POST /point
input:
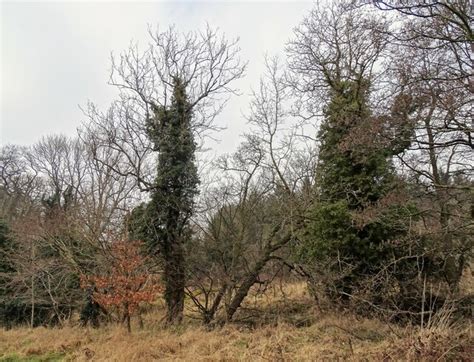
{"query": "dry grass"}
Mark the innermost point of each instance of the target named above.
(285, 328)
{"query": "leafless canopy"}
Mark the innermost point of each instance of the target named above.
(335, 43)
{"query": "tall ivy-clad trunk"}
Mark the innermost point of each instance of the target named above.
(174, 278)
(166, 227)
(352, 179)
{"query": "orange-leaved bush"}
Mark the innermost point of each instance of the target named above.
(127, 283)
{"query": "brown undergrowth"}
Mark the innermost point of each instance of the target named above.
(281, 324)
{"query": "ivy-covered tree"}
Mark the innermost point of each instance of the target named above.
(345, 172)
(164, 221)
(360, 220)
(358, 212)
(169, 93)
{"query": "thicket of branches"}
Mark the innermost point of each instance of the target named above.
(356, 175)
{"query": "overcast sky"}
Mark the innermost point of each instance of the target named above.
(55, 56)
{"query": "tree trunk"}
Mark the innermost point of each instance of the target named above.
(126, 317)
(174, 275)
(209, 315)
(140, 320)
(129, 327)
(32, 317)
(244, 288)
(252, 276)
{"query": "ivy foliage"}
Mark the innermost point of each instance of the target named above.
(349, 228)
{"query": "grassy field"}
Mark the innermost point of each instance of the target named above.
(273, 327)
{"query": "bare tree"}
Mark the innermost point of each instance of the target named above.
(433, 68)
(445, 25)
(61, 206)
(335, 43)
(256, 208)
(20, 185)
